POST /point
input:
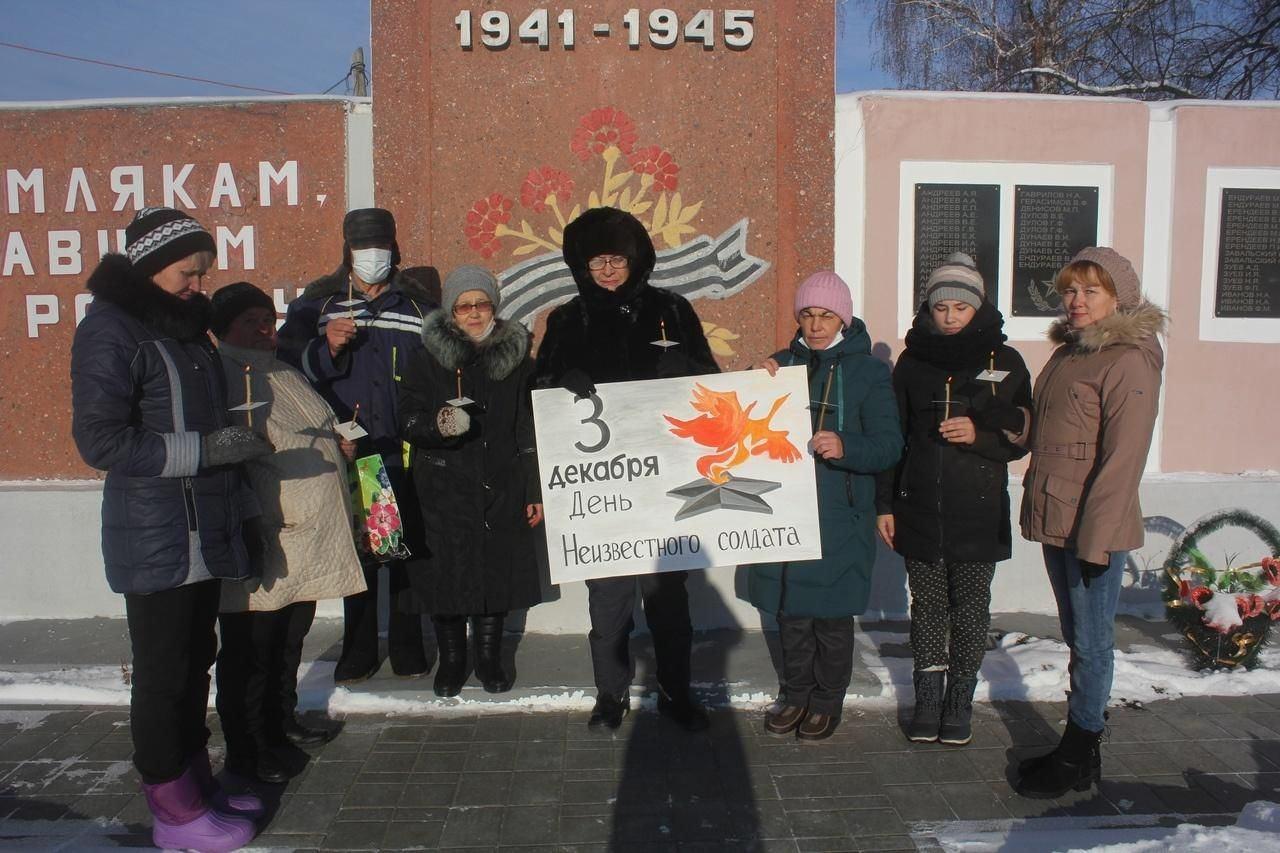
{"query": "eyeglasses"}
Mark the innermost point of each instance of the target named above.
(824, 316)
(599, 262)
(462, 309)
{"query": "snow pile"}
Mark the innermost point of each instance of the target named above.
(1022, 668)
(1256, 829)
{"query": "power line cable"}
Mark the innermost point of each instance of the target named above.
(142, 70)
(336, 85)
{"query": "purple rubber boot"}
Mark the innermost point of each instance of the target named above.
(184, 821)
(235, 805)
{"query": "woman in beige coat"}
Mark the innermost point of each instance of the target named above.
(303, 546)
(1095, 411)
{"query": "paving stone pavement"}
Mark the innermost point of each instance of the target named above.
(544, 781)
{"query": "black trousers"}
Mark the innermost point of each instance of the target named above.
(174, 644)
(611, 602)
(360, 626)
(817, 662)
(258, 675)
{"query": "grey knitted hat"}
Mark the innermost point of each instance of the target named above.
(160, 236)
(470, 277)
(958, 278)
(1123, 276)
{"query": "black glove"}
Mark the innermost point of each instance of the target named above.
(1091, 571)
(1000, 414)
(255, 542)
(673, 363)
(232, 445)
(576, 380)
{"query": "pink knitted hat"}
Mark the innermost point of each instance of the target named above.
(826, 290)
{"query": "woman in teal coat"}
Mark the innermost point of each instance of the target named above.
(856, 435)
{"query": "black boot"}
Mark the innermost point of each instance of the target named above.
(451, 670)
(957, 711)
(487, 631)
(927, 716)
(1069, 766)
(404, 644)
(359, 659)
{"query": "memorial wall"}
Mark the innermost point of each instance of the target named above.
(267, 178)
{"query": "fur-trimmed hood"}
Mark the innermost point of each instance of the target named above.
(335, 283)
(1135, 327)
(499, 354)
(115, 281)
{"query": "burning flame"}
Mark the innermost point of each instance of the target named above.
(735, 436)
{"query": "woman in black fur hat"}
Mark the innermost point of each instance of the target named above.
(476, 475)
(606, 334)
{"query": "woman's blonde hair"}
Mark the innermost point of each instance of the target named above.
(1087, 272)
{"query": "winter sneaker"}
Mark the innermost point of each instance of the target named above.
(817, 726)
(927, 716)
(184, 821)
(957, 711)
(784, 720)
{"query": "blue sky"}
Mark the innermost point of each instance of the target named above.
(297, 46)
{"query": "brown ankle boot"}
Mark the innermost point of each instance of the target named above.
(784, 720)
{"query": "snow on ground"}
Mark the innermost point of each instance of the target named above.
(1256, 829)
(1021, 668)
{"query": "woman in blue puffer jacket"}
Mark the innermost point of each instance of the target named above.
(149, 407)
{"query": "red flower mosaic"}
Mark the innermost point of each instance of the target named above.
(657, 161)
(602, 128)
(541, 184)
(483, 220)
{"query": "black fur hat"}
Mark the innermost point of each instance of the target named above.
(608, 231)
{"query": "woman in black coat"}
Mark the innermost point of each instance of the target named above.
(964, 401)
(475, 472)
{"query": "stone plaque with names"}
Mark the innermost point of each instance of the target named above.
(1248, 284)
(957, 218)
(1050, 224)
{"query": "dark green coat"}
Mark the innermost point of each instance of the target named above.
(865, 415)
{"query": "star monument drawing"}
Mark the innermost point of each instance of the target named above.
(733, 436)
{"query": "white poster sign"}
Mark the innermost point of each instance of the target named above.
(677, 474)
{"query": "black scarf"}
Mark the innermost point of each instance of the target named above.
(970, 347)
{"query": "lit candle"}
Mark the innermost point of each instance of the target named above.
(946, 412)
(662, 328)
(354, 412)
(459, 383)
(991, 366)
(248, 394)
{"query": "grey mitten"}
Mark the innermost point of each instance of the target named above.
(232, 445)
(452, 421)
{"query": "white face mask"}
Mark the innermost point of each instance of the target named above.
(371, 265)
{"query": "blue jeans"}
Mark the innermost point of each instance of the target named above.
(1088, 618)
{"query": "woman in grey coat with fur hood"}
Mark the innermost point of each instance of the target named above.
(1095, 412)
(465, 409)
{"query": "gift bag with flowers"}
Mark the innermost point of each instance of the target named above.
(378, 531)
(1225, 614)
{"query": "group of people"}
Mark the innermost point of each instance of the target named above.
(231, 510)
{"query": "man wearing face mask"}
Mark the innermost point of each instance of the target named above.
(353, 355)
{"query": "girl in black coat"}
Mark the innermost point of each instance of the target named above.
(964, 401)
(475, 473)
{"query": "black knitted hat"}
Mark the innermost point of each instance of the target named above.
(233, 300)
(160, 236)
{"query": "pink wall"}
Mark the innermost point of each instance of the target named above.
(986, 129)
(1211, 420)
(1221, 403)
